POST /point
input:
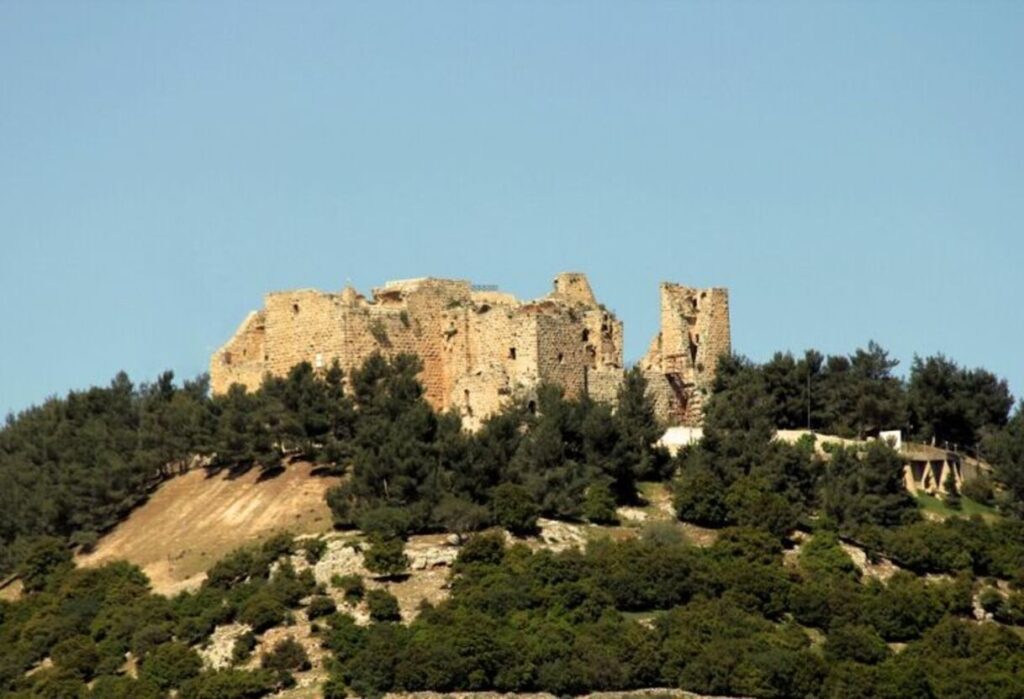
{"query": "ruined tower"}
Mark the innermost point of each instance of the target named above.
(681, 362)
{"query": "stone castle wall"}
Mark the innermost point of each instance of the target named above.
(478, 348)
(681, 363)
(482, 347)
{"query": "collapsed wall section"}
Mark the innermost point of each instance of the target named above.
(243, 358)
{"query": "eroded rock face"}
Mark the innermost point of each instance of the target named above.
(882, 570)
(430, 552)
(559, 536)
(430, 560)
(216, 654)
(342, 557)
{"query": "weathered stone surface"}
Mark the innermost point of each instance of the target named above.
(340, 558)
(556, 535)
(216, 654)
(480, 347)
(681, 362)
(883, 569)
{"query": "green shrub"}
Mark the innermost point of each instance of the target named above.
(149, 637)
(77, 656)
(277, 546)
(230, 684)
(699, 497)
(460, 515)
(904, 608)
(343, 636)
(335, 688)
(385, 522)
(112, 656)
(515, 509)
(487, 548)
(123, 687)
(343, 505)
(262, 611)
(314, 549)
(599, 503)
(233, 569)
(823, 556)
(860, 644)
(991, 600)
(289, 587)
(85, 541)
(386, 558)
(979, 489)
(243, 647)
(383, 606)
(48, 558)
(662, 534)
(170, 664)
(320, 606)
(1012, 610)
(379, 332)
(52, 683)
(952, 496)
(351, 586)
(287, 654)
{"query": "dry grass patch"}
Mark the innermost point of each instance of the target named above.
(193, 520)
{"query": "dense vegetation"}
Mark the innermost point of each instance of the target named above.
(414, 470)
(738, 475)
(858, 396)
(74, 467)
(731, 618)
(87, 620)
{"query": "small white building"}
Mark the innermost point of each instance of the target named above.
(675, 438)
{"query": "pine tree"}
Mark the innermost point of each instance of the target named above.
(638, 432)
(952, 497)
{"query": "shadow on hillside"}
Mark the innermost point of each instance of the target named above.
(233, 472)
(237, 471)
(395, 578)
(327, 471)
(270, 473)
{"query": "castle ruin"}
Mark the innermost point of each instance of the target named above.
(479, 346)
(681, 363)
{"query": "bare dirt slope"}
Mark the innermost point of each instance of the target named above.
(192, 520)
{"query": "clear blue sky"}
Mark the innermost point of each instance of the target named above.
(851, 171)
